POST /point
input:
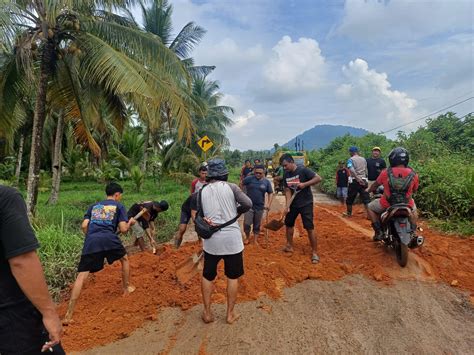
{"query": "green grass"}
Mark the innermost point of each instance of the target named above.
(461, 227)
(58, 227)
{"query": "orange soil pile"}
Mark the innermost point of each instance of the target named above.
(103, 315)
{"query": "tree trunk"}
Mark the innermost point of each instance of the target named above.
(19, 160)
(57, 161)
(145, 148)
(38, 124)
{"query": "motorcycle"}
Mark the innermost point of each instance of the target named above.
(399, 233)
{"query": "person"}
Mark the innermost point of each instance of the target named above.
(257, 188)
(100, 225)
(342, 181)
(246, 170)
(29, 323)
(406, 180)
(357, 166)
(220, 203)
(145, 223)
(187, 208)
(189, 205)
(200, 181)
(375, 165)
(299, 179)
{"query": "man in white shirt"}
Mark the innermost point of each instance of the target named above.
(221, 202)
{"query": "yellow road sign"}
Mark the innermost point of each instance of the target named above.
(205, 143)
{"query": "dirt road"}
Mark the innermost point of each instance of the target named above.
(356, 300)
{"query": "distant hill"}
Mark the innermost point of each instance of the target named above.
(321, 135)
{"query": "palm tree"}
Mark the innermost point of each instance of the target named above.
(213, 122)
(114, 55)
(157, 20)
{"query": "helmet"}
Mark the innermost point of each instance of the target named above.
(399, 156)
(353, 149)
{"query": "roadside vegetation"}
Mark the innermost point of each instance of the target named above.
(442, 155)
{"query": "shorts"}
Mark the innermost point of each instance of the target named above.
(376, 206)
(254, 218)
(354, 189)
(306, 213)
(233, 265)
(185, 217)
(137, 230)
(22, 331)
(95, 262)
(341, 192)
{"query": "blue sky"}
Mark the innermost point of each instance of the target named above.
(286, 66)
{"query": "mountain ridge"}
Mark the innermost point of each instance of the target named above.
(321, 135)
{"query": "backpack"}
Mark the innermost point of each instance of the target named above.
(203, 229)
(399, 187)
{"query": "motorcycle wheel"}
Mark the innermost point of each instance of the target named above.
(401, 251)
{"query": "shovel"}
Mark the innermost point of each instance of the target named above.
(276, 224)
(189, 268)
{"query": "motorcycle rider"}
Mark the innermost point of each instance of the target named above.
(399, 182)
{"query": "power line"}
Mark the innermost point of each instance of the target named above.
(431, 114)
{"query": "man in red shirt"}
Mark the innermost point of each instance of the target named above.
(200, 181)
(399, 182)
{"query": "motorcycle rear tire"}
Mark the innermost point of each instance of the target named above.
(401, 251)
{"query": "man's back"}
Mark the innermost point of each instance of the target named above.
(360, 166)
(399, 172)
(219, 205)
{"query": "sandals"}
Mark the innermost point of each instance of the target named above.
(315, 259)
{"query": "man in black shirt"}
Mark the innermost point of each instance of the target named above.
(145, 223)
(342, 182)
(29, 323)
(299, 179)
(375, 165)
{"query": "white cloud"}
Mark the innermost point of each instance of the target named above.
(373, 20)
(369, 95)
(245, 125)
(228, 56)
(295, 67)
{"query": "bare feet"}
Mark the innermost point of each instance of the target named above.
(287, 249)
(129, 289)
(232, 317)
(207, 317)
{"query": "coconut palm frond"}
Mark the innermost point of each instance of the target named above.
(189, 36)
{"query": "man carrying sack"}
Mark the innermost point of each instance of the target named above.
(219, 203)
(299, 179)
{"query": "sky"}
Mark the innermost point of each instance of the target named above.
(288, 65)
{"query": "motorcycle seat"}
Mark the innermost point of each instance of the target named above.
(400, 209)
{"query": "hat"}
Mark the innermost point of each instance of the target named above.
(216, 167)
(353, 149)
(377, 148)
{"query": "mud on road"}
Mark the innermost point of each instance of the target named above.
(356, 291)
